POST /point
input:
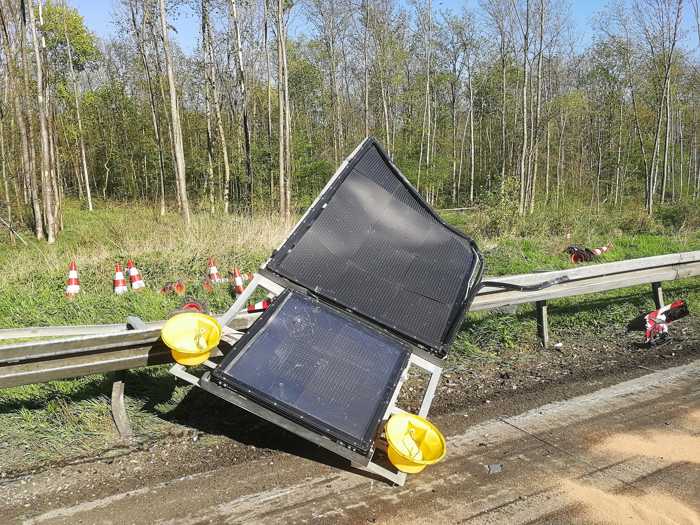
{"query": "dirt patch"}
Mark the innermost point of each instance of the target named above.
(671, 446)
(605, 507)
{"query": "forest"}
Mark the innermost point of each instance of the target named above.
(499, 104)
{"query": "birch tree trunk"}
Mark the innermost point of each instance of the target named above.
(46, 186)
(525, 87)
(284, 114)
(138, 35)
(79, 120)
(175, 118)
(244, 105)
(266, 16)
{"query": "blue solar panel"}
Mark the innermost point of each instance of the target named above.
(371, 244)
(316, 365)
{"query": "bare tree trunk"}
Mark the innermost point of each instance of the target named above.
(546, 165)
(680, 141)
(244, 105)
(79, 121)
(175, 114)
(284, 125)
(619, 155)
(152, 100)
(426, 114)
(208, 74)
(667, 140)
(269, 100)
(20, 89)
(365, 44)
(3, 160)
(461, 158)
(472, 155)
(524, 148)
(215, 100)
(503, 112)
(560, 158)
(46, 187)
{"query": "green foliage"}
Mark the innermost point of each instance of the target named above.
(60, 20)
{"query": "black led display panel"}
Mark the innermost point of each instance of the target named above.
(371, 244)
(318, 367)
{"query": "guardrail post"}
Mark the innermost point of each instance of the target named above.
(121, 420)
(542, 322)
(658, 294)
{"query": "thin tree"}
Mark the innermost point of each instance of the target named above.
(78, 118)
(175, 118)
(140, 46)
(240, 75)
(46, 184)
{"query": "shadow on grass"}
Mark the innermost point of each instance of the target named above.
(206, 412)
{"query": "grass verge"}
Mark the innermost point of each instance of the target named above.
(64, 420)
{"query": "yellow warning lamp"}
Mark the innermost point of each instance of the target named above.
(191, 336)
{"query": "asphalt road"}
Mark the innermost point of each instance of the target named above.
(629, 453)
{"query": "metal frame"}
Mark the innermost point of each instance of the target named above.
(417, 358)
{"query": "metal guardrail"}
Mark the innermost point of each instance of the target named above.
(591, 279)
(105, 348)
(240, 322)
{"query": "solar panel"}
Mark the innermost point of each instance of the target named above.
(371, 244)
(319, 367)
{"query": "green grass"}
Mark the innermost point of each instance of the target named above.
(68, 419)
(33, 280)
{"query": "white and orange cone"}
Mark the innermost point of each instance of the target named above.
(135, 279)
(119, 281)
(237, 282)
(73, 283)
(214, 275)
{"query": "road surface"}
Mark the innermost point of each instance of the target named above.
(629, 453)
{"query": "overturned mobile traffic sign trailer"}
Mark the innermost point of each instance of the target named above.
(369, 282)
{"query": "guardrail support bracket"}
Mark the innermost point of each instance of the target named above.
(542, 322)
(658, 294)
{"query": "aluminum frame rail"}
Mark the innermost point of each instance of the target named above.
(101, 351)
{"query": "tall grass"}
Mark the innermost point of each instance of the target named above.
(33, 277)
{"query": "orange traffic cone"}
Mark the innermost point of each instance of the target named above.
(73, 284)
(119, 281)
(214, 276)
(135, 279)
(237, 282)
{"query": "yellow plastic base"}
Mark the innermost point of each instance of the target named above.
(414, 442)
(191, 336)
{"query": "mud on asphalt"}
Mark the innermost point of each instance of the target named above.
(217, 434)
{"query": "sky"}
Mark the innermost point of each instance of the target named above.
(98, 17)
